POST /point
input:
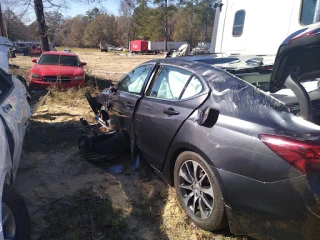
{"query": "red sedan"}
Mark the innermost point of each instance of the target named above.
(60, 68)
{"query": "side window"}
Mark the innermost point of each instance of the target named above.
(307, 11)
(134, 81)
(194, 87)
(238, 23)
(170, 83)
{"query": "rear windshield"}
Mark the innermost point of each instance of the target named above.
(262, 81)
(258, 79)
(48, 59)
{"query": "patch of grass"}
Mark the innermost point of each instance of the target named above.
(83, 215)
(70, 95)
(177, 225)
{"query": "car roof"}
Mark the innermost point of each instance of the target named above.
(228, 63)
(180, 62)
(59, 53)
(208, 72)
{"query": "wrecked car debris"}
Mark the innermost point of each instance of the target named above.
(103, 146)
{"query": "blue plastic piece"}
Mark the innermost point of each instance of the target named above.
(116, 169)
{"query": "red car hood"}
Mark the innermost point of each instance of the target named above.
(53, 70)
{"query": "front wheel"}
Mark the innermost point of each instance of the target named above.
(15, 216)
(198, 192)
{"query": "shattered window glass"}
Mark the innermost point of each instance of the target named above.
(170, 83)
(134, 81)
(238, 24)
(194, 87)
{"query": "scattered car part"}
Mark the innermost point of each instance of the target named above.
(87, 125)
(182, 51)
(103, 147)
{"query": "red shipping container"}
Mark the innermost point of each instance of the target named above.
(138, 46)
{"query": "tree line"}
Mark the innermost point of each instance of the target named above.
(158, 20)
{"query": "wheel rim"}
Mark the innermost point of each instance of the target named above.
(8, 222)
(196, 189)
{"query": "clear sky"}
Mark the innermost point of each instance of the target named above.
(111, 6)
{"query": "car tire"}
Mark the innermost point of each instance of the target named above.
(15, 211)
(199, 188)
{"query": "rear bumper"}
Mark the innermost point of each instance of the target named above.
(44, 85)
(287, 209)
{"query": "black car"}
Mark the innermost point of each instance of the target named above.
(240, 145)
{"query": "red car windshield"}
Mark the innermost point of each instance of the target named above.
(50, 59)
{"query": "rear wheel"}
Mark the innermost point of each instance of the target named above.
(198, 192)
(15, 216)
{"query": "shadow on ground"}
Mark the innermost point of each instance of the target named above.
(69, 198)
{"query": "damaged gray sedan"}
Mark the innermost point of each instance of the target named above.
(236, 154)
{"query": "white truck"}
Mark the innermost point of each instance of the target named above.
(159, 46)
(258, 27)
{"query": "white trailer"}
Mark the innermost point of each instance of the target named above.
(258, 26)
(159, 46)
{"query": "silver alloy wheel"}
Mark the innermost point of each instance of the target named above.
(8, 222)
(196, 189)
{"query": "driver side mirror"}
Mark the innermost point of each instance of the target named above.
(34, 60)
(83, 64)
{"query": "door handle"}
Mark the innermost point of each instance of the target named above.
(7, 108)
(170, 112)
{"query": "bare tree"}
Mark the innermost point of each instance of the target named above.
(126, 10)
(164, 5)
(42, 28)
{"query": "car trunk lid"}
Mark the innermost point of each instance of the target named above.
(297, 56)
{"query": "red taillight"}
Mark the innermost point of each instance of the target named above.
(302, 155)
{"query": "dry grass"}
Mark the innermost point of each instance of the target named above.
(79, 50)
(177, 225)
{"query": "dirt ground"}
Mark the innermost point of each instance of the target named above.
(70, 198)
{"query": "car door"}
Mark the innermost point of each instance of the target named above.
(170, 100)
(126, 97)
(15, 112)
